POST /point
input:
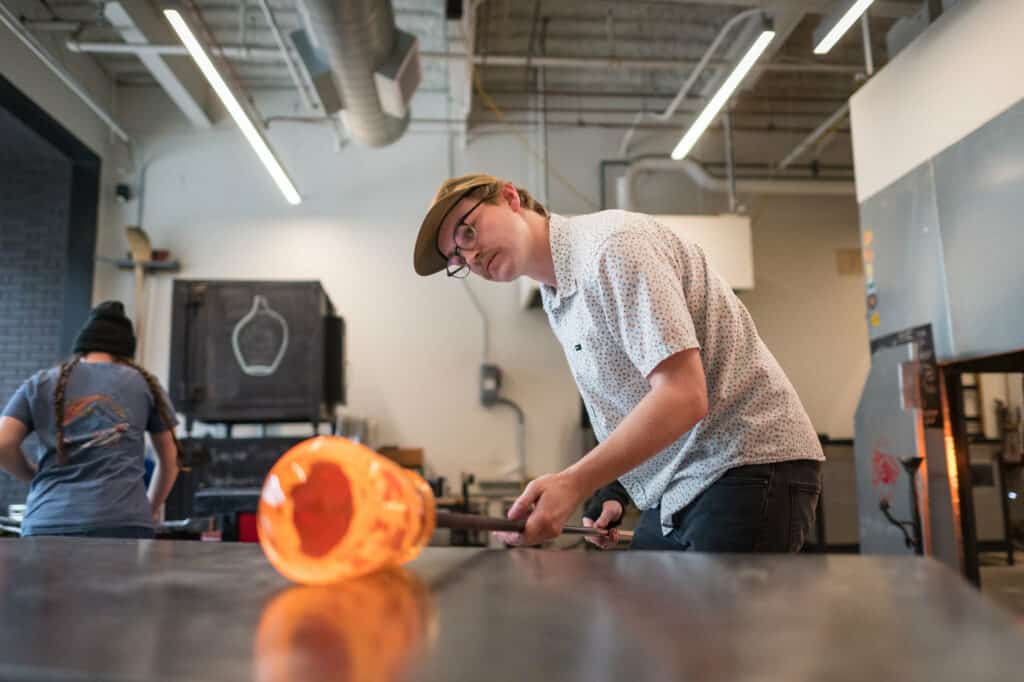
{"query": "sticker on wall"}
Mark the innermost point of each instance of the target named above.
(885, 472)
(260, 339)
(869, 269)
(875, 321)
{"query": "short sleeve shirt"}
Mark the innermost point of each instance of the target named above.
(630, 294)
(107, 409)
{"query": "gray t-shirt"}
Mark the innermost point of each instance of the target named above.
(630, 294)
(107, 409)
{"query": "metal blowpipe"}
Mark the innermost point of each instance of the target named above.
(474, 522)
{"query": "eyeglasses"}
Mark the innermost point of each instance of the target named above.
(465, 239)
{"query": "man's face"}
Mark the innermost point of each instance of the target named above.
(489, 236)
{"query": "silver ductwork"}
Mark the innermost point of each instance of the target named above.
(703, 179)
(357, 37)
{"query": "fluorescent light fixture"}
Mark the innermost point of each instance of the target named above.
(259, 144)
(840, 27)
(722, 96)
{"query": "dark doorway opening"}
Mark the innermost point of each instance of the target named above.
(49, 199)
(984, 462)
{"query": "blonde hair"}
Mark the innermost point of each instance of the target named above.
(486, 186)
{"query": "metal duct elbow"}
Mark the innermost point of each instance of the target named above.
(357, 36)
(703, 179)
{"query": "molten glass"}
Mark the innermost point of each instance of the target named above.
(333, 509)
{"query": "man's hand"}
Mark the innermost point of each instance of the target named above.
(546, 504)
(611, 512)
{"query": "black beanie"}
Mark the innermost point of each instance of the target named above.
(107, 331)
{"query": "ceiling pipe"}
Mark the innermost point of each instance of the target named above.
(293, 71)
(519, 124)
(357, 37)
(690, 81)
(869, 55)
(827, 125)
(703, 179)
(469, 9)
(49, 26)
(255, 54)
(270, 54)
(9, 19)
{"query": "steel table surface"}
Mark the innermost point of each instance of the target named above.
(93, 609)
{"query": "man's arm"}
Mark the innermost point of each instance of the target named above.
(678, 399)
(12, 459)
(675, 404)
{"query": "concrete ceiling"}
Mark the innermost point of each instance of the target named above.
(792, 90)
(797, 87)
(233, 23)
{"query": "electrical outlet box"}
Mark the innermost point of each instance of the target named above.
(490, 384)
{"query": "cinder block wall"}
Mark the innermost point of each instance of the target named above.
(34, 205)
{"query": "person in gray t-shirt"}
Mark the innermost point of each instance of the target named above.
(696, 421)
(90, 415)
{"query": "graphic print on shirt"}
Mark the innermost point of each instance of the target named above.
(94, 421)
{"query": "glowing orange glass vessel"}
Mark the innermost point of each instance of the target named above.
(333, 509)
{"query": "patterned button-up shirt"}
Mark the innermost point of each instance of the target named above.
(630, 294)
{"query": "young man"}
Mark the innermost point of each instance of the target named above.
(696, 421)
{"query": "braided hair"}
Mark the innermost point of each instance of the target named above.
(163, 409)
(58, 403)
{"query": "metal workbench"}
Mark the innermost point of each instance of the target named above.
(86, 609)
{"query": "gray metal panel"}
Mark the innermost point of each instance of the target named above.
(904, 268)
(82, 609)
(884, 433)
(907, 258)
(980, 189)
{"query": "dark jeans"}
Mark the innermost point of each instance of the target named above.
(133, 532)
(757, 508)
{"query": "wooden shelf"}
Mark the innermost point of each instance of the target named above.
(151, 266)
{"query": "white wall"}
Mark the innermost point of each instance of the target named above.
(414, 344)
(810, 316)
(962, 72)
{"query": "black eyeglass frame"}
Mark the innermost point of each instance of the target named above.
(464, 267)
